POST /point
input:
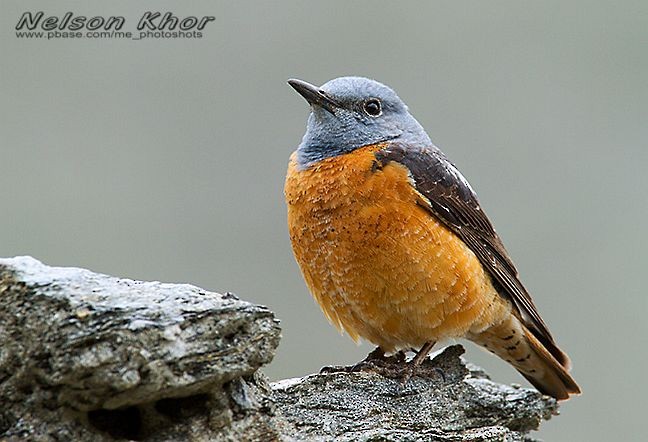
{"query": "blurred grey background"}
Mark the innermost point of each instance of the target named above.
(164, 159)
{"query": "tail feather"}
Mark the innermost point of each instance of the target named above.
(545, 367)
(552, 348)
(553, 378)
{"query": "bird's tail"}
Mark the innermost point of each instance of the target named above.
(513, 342)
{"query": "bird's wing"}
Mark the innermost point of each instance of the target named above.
(447, 195)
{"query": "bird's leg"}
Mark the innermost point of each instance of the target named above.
(422, 353)
(416, 361)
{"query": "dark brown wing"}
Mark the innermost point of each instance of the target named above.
(449, 197)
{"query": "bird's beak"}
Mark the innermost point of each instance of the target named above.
(314, 95)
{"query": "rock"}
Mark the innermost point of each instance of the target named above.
(447, 403)
(90, 357)
(116, 354)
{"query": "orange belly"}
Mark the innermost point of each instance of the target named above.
(380, 266)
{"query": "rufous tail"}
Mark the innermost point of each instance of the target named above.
(513, 342)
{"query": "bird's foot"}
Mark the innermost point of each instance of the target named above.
(425, 369)
(394, 367)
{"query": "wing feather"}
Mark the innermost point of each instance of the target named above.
(448, 196)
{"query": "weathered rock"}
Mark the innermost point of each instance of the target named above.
(447, 403)
(89, 357)
(77, 344)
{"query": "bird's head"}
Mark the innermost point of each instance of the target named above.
(351, 112)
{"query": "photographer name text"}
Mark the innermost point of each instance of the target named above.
(150, 25)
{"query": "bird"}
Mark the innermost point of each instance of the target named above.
(392, 241)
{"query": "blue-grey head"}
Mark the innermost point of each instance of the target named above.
(351, 112)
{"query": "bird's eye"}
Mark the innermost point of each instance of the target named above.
(372, 107)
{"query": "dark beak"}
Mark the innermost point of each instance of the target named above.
(314, 95)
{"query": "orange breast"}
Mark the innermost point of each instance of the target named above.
(380, 266)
